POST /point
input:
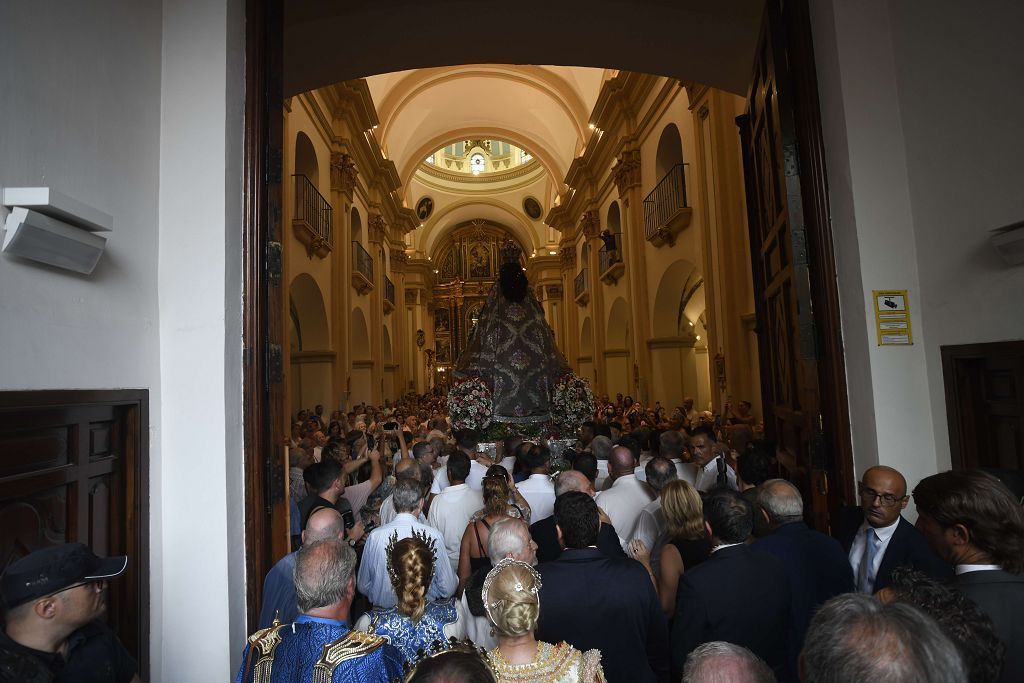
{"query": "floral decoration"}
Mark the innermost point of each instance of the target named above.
(572, 402)
(469, 404)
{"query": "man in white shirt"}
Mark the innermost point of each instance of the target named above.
(627, 495)
(373, 581)
(538, 490)
(710, 458)
(407, 469)
(601, 447)
(650, 524)
(466, 442)
(672, 444)
(451, 509)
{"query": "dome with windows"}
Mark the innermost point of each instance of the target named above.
(478, 158)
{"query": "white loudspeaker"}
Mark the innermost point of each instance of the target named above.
(1009, 242)
(49, 227)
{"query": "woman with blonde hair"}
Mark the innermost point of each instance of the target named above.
(511, 597)
(414, 623)
(688, 543)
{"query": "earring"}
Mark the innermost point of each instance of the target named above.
(493, 632)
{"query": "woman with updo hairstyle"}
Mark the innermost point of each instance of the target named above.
(415, 623)
(498, 488)
(511, 597)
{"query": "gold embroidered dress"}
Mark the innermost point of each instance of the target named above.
(560, 663)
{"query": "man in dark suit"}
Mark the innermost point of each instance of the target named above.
(592, 601)
(879, 539)
(736, 595)
(815, 563)
(975, 524)
(545, 534)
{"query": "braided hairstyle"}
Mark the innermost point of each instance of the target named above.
(512, 596)
(413, 564)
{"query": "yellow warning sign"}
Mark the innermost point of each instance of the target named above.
(892, 317)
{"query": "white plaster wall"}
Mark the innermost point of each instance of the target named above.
(199, 628)
(80, 112)
(958, 74)
(872, 221)
(921, 119)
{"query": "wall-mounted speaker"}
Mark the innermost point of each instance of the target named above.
(49, 227)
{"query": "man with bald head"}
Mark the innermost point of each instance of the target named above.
(627, 495)
(884, 540)
(546, 536)
(815, 563)
(278, 588)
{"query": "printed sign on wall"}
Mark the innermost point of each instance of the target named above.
(892, 317)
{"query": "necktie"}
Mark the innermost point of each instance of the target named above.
(866, 574)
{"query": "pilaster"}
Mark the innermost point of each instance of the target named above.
(343, 180)
(626, 174)
(590, 225)
(376, 232)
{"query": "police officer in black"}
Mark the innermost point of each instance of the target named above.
(54, 600)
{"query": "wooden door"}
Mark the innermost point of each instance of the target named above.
(802, 371)
(74, 469)
(266, 513)
(985, 404)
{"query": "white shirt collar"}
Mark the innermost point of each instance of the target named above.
(623, 478)
(724, 545)
(965, 568)
(884, 533)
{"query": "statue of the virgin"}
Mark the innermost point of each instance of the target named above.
(513, 349)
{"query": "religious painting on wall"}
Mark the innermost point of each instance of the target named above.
(441, 321)
(479, 261)
(424, 207)
(444, 351)
(532, 208)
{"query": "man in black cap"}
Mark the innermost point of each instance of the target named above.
(53, 601)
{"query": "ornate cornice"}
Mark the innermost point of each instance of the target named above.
(344, 174)
(626, 171)
(567, 258)
(376, 228)
(590, 223)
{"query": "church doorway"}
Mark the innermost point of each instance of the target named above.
(749, 47)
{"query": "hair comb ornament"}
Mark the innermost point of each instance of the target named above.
(420, 536)
(519, 587)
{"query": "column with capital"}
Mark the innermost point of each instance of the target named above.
(402, 339)
(590, 225)
(626, 173)
(376, 231)
(344, 176)
(570, 317)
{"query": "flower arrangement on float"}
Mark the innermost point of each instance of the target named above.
(470, 404)
(572, 403)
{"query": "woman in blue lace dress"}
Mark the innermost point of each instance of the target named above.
(414, 624)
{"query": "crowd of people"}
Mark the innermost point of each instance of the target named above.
(661, 546)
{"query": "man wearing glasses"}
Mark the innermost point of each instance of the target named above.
(54, 600)
(885, 540)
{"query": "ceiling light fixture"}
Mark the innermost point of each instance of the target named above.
(553, 253)
(592, 126)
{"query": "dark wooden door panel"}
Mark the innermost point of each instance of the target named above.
(791, 254)
(73, 467)
(985, 404)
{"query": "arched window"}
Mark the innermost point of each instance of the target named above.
(305, 159)
(357, 226)
(477, 163)
(670, 151)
